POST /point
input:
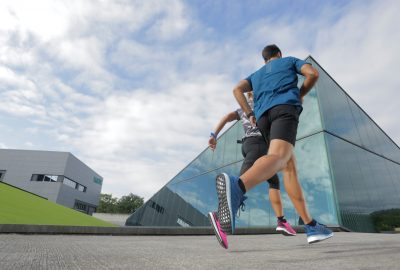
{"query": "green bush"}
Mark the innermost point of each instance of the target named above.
(125, 205)
(386, 220)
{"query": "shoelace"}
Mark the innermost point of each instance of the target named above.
(242, 206)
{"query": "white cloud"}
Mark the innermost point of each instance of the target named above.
(361, 52)
(173, 24)
(45, 19)
(29, 145)
(19, 95)
(151, 134)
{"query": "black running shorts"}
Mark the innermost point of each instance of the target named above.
(252, 149)
(280, 122)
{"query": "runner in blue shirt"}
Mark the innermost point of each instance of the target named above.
(277, 106)
(253, 147)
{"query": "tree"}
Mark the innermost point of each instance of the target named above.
(128, 204)
(108, 204)
(386, 220)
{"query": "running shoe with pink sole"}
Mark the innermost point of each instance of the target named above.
(285, 228)
(219, 233)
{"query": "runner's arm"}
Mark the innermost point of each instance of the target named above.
(242, 87)
(232, 116)
(311, 76)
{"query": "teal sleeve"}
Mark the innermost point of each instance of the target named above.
(249, 80)
(298, 63)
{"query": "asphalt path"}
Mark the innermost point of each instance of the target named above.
(268, 251)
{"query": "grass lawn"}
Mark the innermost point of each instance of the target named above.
(19, 207)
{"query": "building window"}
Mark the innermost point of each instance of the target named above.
(73, 184)
(84, 207)
(2, 173)
(69, 182)
(80, 206)
(54, 178)
(44, 178)
(81, 188)
(182, 222)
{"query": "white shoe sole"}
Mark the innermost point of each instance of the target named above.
(318, 238)
(285, 232)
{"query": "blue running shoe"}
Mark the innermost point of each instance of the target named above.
(230, 198)
(317, 233)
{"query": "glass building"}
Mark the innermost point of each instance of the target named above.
(348, 167)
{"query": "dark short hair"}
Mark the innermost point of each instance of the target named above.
(270, 51)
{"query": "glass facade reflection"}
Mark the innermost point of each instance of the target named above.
(348, 167)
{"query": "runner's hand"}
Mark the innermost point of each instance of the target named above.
(212, 143)
(253, 121)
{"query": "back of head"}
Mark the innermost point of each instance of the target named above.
(270, 51)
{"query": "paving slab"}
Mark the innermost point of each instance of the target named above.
(269, 251)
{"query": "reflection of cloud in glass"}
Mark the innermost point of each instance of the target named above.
(201, 164)
(357, 172)
(259, 217)
(199, 192)
(286, 202)
(344, 118)
(225, 153)
(310, 120)
(314, 176)
(196, 201)
(327, 218)
(313, 168)
(254, 217)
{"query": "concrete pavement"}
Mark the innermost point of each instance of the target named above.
(269, 251)
(133, 230)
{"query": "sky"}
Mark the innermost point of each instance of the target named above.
(133, 88)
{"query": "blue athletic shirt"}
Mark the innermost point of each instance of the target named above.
(276, 84)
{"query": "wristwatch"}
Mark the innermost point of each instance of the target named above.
(250, 114)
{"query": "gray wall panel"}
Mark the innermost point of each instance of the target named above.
(20, 165)
(76, 170)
